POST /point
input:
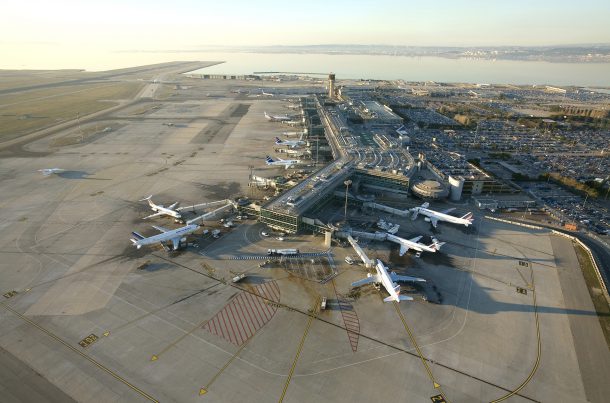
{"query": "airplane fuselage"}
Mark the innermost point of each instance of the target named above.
(172, 235)
(442, 216)
(386, 281)
(166, 211)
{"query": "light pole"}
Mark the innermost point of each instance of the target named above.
(346, 183)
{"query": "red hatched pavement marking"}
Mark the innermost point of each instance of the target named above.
(245, 314)
(350, 320)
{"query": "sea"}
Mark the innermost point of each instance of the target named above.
(376, 67)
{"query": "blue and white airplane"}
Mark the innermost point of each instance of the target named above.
(175, 236)
(289, 143)
(279, 162)
(388, 281)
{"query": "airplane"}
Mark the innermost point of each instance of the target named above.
(50, 171)
(388, 281)
(175, 236)
(160, 210)
(286, 163)
(277, 118)
(292, 123)
(289, 143)
(435, 216)
(265, 94)
(406, 244)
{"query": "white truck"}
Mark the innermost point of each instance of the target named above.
(275, 252)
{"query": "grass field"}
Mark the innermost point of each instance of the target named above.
(26, 78)
(24, 113)
(599, 300)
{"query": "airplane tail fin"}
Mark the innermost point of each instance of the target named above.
(278, 140)
(136, 237)
(436, 245)
(269, 160)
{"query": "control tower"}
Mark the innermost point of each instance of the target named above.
(331, 85)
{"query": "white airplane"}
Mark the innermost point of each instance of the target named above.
(289, 143)
(435, 216)
(277, 118)
(160, 210)
(179, 234)
(388, 281)
(286, 163)
(266, 94)
(292, 123)
(175, 236)
(406, 244)
(50, 171)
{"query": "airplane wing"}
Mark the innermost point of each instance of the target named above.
(434, 221)
(161, 229)
(172, 206)
(416, 239)
(400, 298)
(396, 277)
(415, 212)
(403, 249)
(449, 210)
(368, 280)
(153, 215)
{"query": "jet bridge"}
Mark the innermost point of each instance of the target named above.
(212, 214)
(388, 209)
(368, 263)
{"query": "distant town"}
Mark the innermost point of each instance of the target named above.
(594, 53)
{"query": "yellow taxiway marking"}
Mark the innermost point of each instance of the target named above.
(205, 389)
(414, 342)
(155, 357)
(539, 351)
(82, 354)
(312, 316)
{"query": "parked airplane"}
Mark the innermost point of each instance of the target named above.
(174, 236)
(292, 123)
(388, 281)
(289, 143)
(277, 118)
(177, 235)
(435, 216)
(286, 163)
(160, 210)
(265, 94)
(406, 244)
(50, 171)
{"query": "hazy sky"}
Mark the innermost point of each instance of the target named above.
(30, 29)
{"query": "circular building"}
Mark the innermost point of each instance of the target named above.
(430, 189)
